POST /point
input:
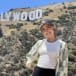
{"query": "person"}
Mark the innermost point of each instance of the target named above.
(51, 53)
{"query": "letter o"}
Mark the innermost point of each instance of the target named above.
(24, 16)
(32, 15)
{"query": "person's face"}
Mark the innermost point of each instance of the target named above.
(48, 31)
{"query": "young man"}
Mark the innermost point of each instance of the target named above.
(53, 54)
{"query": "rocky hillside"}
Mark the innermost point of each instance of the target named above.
(17, 37)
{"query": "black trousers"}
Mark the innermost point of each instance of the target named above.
(43, 72)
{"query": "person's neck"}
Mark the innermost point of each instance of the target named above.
(51, 39)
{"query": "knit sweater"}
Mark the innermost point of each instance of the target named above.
(62, 61)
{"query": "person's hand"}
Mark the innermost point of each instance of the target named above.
(29, 65)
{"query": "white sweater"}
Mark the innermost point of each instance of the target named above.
(48, 51)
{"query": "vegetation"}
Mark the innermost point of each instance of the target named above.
(13, 48)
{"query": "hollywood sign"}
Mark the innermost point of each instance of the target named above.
(21, 16)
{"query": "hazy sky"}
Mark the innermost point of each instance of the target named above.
(6, 5)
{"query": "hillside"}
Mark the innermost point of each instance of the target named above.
(49, 12)
(17, 37)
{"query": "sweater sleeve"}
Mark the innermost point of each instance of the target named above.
(32, 55)
(65, 60)
(62, 68)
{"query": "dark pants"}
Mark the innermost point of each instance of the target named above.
(43, 72)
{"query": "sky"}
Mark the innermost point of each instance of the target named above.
(6, 5)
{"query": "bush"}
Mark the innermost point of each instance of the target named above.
(59, 32)
(74, 52)
(1, 34)
(72, 58)
(36, 33)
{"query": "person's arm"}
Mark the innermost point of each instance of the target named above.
(32, 54)
(65, 60)
(62, 65)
